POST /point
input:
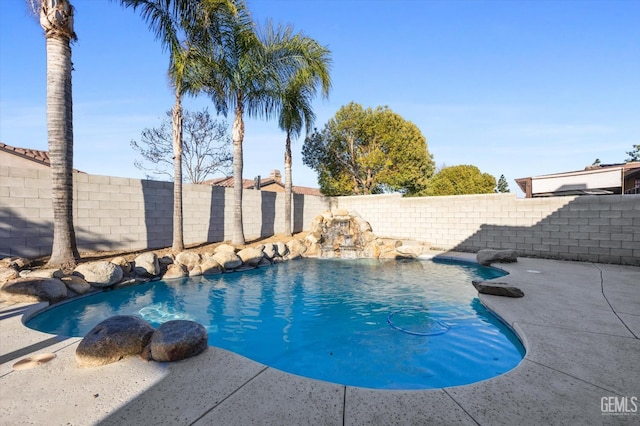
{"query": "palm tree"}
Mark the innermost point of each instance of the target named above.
(56, 18)
(296, 110)
(246, 72)
(169, 20)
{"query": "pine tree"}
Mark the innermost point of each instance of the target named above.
(502, 185)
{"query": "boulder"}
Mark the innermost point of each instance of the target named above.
(196, 271)
(8, 274)
(15, 262)
(283, 250)
(209, 266)
(77, 284)
(250, 256)
(43, 273)
(166, 260)
(113, 339)
(270, 251)
(296, 248)
(411, 251)
(497, 289)
(487, 256)
(224, 248)
(147, 265)
(178, 339)
(34, 289)
(176, 271)
(99, 274)
(123, 263)
(190, 259)
(227, 260)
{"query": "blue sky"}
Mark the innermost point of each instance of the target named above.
(520, 88)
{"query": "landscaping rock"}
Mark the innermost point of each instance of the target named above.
(34, 289)
(122, 263)
(147, 265)
(196, 271)
(178, 339)
(77, 284)
(296, 248)
(224, 248)
(270, 251)
(176, 270)
(113, 339)
(487, 256)
(16, 263)
(43, 273)
(8, 274)
(283, 250)
(99, 274)
(497, 289)
(209, 266)
(227, 260)
(190, 259)
(166, 260)
(250, 256)
(412, 251)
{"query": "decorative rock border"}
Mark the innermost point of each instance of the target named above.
(52, 285)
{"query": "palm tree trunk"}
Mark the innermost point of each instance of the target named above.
(238, 137)
(178, 240)
(288, 187)
(64, 252)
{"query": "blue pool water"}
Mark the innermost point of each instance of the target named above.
(376, 324)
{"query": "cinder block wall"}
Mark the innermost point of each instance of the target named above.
(112, 213)
(587, 228)
(127, 214)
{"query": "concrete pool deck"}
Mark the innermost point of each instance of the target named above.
(580, 323)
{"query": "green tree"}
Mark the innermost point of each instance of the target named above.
(246, 67)
(634, 154)
(205, 146)
(56, 18)
(296, 110)
(459, 180)
(368, 151)
(503, 185)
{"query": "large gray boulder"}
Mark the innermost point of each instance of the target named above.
(250, 256)
(178, 339)
(190, 259)
(227, 260)
(176, 270)
(77, 284)
(113, 339)
(36, 289)
(147, 265)
(488, 256)
(497, 289)
(99, 274)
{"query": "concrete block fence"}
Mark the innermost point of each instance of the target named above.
(114, 213)
(602, 228)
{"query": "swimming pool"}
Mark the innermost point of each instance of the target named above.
(376, 324)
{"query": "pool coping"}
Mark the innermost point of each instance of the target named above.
(579, 322)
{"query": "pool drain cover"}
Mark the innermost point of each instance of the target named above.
(416, 321)
(33, 361)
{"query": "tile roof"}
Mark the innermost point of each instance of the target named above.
(227, 182)
(35, 155)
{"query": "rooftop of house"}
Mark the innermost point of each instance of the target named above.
(271, 183)
(35, 155)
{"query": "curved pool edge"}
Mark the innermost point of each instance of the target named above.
(550, 385)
